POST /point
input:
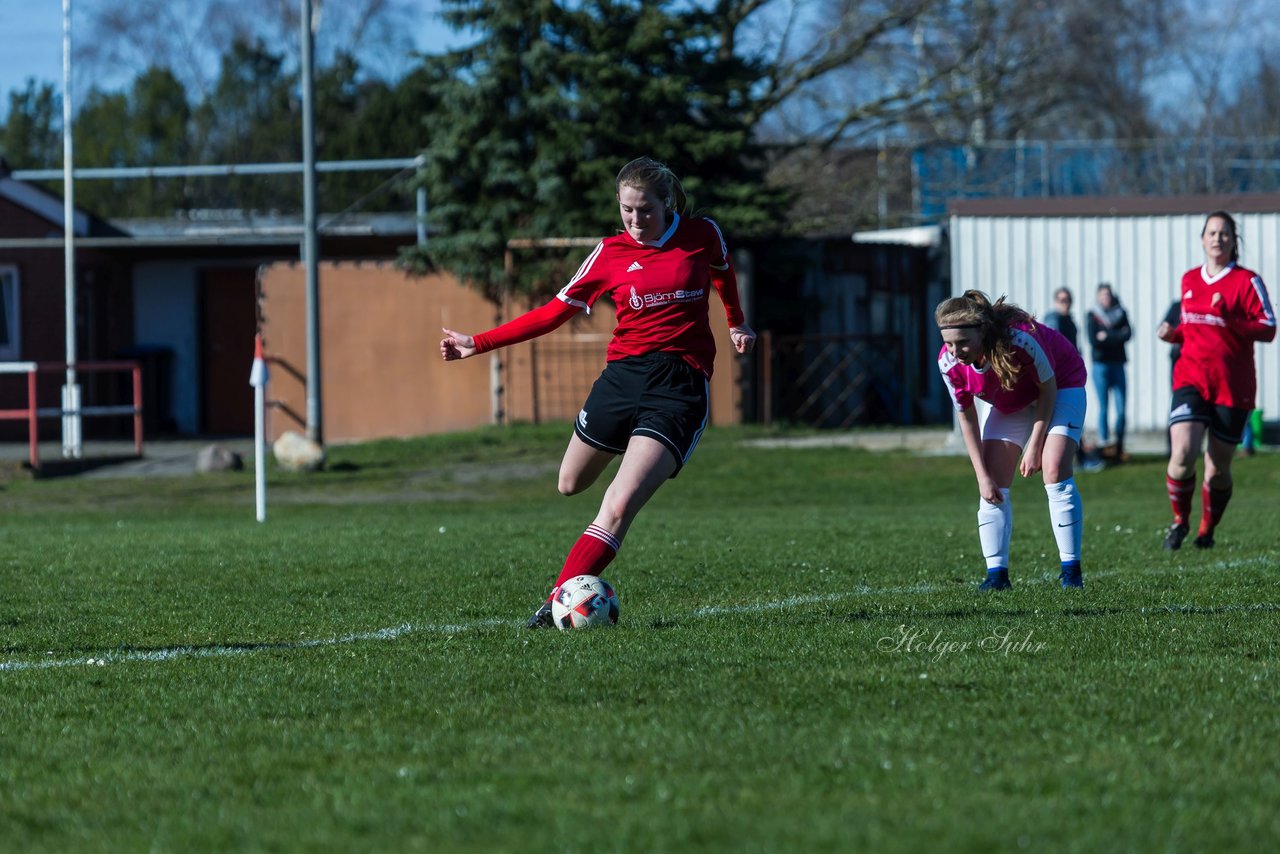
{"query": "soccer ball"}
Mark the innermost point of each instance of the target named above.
(584, 602)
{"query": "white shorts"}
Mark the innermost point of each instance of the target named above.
(1015, 427)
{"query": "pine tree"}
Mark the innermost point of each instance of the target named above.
(150, 124)
(536, 117)
(32, 135)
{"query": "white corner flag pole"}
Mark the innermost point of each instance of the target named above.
(258, 379)
(72, 445)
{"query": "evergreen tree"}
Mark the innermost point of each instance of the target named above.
(149, 124)
(359, 118)
(32, 134)
(537, 116)
(103, 138)
(160, 118)
(251, 116)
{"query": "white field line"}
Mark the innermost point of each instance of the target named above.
(392, 633)
(225, 651)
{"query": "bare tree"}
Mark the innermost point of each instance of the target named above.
(1216, 63)
(963, 70)
(858, 79)
(189, 37)
(832, 67)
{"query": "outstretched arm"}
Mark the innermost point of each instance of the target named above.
(531, 324)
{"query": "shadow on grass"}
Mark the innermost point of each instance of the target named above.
(136, 652)
(825, 613)
(70, 468)
(865, 616)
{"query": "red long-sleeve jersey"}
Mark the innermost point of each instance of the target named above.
(1222, 316)
(661, 292)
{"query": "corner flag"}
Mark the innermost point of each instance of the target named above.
(258, 379)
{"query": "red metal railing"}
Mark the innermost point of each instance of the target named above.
(32, 413)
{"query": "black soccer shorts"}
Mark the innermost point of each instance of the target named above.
(1225, 422)
(658, 395)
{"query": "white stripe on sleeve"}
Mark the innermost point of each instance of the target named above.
(1022, 338)
(1261, 289)
(583, 269)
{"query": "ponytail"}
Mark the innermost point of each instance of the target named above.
(973, 309)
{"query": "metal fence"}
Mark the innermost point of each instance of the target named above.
(563, 371)
(824, 381)
(831, 381)
(1049, 168)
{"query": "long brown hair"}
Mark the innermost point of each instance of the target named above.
(993, 322)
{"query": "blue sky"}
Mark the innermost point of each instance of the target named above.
(31, 42)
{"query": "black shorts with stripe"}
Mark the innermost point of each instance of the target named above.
(1224, 422)
(658, 395)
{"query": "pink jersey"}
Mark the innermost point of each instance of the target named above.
(661, 291)
(1221, 318)
(1042, 353)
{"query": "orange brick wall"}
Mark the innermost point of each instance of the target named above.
(382, 375)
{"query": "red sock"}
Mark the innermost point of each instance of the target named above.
(1180, 492)
(590, 554)
(1213, 502)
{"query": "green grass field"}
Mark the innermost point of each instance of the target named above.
(802, 662)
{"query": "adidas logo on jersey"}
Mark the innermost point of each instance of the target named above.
(635, 265)
(1181, 412)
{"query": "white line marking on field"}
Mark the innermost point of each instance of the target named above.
(395, 632)
(816, 599)
(224, 651)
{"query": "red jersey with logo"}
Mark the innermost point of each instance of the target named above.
(660, 290)
(1221, 317)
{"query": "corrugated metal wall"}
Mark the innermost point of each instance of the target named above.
(1142, 257)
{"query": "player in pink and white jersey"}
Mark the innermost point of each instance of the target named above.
(651, 403)
(1018, 387)
(1224, 310)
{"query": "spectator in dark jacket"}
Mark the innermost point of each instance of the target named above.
(1059, 317)
(1109, 331)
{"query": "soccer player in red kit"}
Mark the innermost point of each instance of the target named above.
(651, 403)
(1225, 309)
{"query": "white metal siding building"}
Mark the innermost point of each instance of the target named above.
(1028, 248)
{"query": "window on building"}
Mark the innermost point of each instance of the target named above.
(9, 343)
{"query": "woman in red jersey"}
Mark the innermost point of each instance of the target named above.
(1225, 309)
(650, 405)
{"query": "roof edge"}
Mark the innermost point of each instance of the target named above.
(1111, 206)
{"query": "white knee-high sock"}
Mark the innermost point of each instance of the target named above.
(1066, 514)
(995, 527)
